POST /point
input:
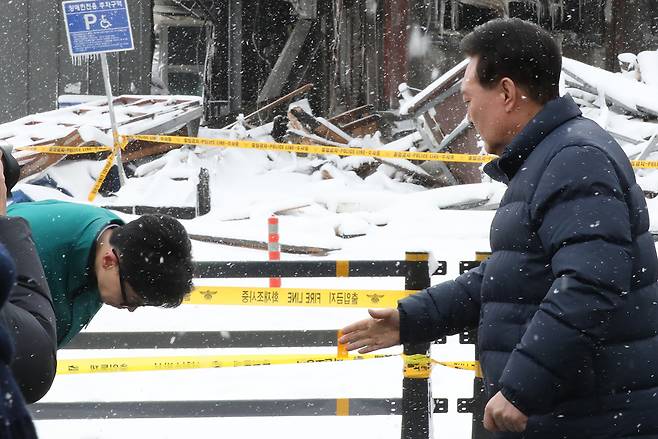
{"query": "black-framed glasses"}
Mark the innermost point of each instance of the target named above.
(122, 283)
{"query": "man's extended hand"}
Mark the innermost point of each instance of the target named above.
(381, 331)
(502, 415)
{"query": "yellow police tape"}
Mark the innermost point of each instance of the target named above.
(73, 150)
(463, 365)
(291, 147)
(420, 366)
(417, 366)
(67, 150)
(645, 164)
(101, 178)
(119, 144)
(315, 149)
(305, 297)
(144, 364)
(141, 364)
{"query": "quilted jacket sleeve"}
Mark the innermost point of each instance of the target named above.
(443, 309)
(583, 223)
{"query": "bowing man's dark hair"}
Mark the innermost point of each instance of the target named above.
(155, 254)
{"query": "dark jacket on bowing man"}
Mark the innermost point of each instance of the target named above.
(566, 306)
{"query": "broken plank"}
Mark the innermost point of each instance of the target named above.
(39, 162)
(304, 138)
(418, 175)
(276, 103)
(310, 124)
(615, 104)
(366, 125)
(262, 245)
(180, 212)
(352, 115)
(433, 94)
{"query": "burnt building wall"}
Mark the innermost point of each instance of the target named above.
(591, 31)
(35, 66)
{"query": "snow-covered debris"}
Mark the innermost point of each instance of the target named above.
(648, 66)
(355, 194)
(623, 105)
(637, 98)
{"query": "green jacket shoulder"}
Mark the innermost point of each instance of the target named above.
(65, 234)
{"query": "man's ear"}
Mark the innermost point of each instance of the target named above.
(510, 93)
(108, 260)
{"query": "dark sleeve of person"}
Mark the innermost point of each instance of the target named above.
(443, 309)
(16, 420)
(28, 315)
(583, 223)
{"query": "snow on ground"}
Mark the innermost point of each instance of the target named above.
(246, 187)
(320, 198)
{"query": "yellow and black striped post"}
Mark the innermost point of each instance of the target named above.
(416, 391)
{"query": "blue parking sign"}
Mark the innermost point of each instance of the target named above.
(97, 26)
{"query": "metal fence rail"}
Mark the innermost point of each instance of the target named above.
(416, 405)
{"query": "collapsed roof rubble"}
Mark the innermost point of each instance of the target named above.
(362, 127)
(625, 104)
(88, 124)
(432, 119)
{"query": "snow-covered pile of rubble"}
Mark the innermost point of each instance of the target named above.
(624, 103)
(363, 191)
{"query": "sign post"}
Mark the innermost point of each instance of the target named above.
(96, 27)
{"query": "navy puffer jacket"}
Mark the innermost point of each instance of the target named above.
(567, 304)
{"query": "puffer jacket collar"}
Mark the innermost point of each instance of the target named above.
(554, 114)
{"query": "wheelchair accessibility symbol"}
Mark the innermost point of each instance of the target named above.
(105, 23)
(91, 19)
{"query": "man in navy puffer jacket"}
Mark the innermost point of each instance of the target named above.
(567, 305)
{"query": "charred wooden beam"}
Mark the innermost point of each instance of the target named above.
(445, 86)
(366, 125)
(319, 127)
(276, 103)
(396, 13)
(352, 115)
(34, 163)
(304, 138)
(281, 71)
(262, 245)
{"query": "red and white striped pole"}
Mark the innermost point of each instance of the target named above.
(273, 247)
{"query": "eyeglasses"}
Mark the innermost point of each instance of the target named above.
(124, 294)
